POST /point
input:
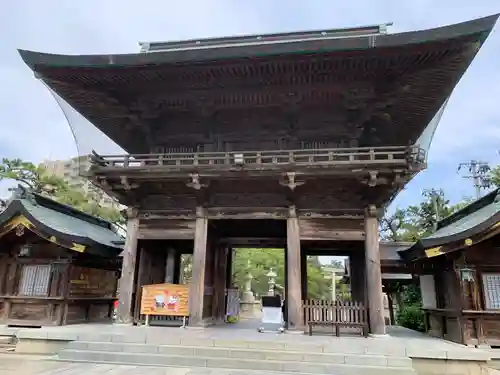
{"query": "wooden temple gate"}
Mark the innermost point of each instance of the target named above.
(257, 132)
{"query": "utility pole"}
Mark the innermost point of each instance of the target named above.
(478, 173)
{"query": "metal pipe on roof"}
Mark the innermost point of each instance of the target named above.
(299, 36)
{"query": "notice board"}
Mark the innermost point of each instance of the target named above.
(165, 300)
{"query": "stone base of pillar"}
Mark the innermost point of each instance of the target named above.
(377, 336)
(295, 331)
(250, 309)
(204, 323)
(121, 324)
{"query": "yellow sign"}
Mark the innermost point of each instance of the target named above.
(468, 242)
(433, 252)
(78, 247)
(165, 300)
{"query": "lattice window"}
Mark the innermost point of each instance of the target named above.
(491, 286)
(35, 280)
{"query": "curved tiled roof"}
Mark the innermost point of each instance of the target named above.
(64, 222)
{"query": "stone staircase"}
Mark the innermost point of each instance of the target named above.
(342, 357)
(7, 343)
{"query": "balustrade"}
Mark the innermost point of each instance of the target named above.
(396, 155)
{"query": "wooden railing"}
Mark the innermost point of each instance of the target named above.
(396, 155)
(337, 314)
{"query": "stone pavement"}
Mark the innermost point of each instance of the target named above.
(18, 364)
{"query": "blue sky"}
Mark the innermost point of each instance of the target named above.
(34, 128)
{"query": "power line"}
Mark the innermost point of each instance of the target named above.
(478, 172)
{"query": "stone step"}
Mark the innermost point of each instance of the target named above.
(243, 353)
(7, 340)
(209, 360)
(281, 343)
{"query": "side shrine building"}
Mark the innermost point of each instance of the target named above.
(459, 272)
(296, 140)
(58, 265)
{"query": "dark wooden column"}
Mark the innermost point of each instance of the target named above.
(127, 279)
(197, 285)
(177, 267)
(373, 273)
(392, 318)
(229, 267)
(303, 273)
(357, 273)
(294, 289)
(170, 265)
(218, 309)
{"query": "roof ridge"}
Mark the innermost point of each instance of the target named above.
(492, 197)
(24, 193)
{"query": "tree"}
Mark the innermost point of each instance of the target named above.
(336, 264)
(494, 176)
(420, 220)
(32, 176)
(261, 262)
(39, 181)
(391, 226)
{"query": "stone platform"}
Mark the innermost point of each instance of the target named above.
(400, 352)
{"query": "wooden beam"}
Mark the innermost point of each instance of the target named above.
(127, 279)
(197, 285)
(374, 273)
(294, 289)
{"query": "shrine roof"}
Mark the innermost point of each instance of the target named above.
(472, 224)
(61, 224)
(481, 26)
(400, 78)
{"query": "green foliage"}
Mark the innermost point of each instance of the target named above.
(417, 221)
(262, 260)
(494, 176)
(412, 294)
(32, 176)
(412, 317)
(39, 181)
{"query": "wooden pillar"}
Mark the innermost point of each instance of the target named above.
(303, 274)
(294, 289)
(197, 285)
(177, 267)
(392, 319)
(170, 266)
(374, 273)
(357, 273)
(218, 307)
(127, 279)
(229, 267)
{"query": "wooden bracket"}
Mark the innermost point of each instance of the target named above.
(398, 181)
(374, 179)
(291, 182)
(195, 182)
(132, 212)
(125, 183)
(103, 181)
(372, 211)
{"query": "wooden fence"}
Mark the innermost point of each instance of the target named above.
(350, 314)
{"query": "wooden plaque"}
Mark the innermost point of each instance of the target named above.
(165, 299)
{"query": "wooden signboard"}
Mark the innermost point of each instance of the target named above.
(165, 300)
(92, 282)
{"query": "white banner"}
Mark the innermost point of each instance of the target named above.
(271, 315)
